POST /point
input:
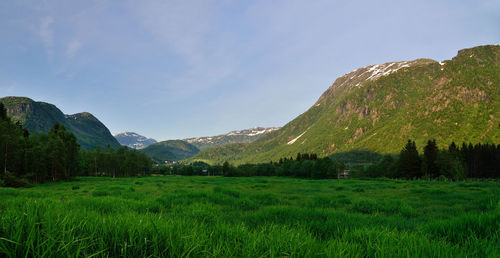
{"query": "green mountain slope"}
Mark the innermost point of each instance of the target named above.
(220, 154)
(40, 117)
(379, 107)
(171, 150)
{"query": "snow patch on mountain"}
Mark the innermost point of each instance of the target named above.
(296, 138)
(239, 136)
(372, 72)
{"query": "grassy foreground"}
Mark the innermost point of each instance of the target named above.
(251, 217)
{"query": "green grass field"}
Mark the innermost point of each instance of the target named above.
(251, 217)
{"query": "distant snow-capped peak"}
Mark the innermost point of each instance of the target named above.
(134, 140)
(246, 135)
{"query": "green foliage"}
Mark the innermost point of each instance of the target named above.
(386, 167)
(36, 158)
(56, 156)
(357, 156)
(120, 162)
(306, 165)
(478, 161)
(227, 217)
(450, 166)
(10, 180)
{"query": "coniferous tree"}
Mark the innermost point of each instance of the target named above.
(409, 161)
(227, 169)
(430, 157)
(3, 112)
(453, 148)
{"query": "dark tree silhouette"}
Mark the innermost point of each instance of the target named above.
(409, 161)
(430, 157)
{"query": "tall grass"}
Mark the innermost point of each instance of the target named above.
(228, 217)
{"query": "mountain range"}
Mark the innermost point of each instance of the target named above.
(40, 117)
(376, 108)
(240, 136)
(379, 107)
(134, 140)
(174, 150)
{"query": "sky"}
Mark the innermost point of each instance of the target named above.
(178, 69)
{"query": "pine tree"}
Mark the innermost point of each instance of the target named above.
(409, 161)
(453, 148)
(3, 112)
(430, 157)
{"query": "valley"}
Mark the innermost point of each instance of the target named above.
(393, 160)
(278, 129)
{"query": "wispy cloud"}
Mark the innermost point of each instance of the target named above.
(189, 30)
(73, 47)
(46, 34)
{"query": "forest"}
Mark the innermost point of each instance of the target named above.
(55, 156)
(455, 163)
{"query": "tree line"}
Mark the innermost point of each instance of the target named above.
(54, 156)
(304, 166)
(456, 163)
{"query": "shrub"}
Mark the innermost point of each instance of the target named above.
(75, 187)
(12, 181)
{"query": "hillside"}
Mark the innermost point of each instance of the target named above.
(40, 117)
(171, 150)
(378, 107)
(240, 136)
(134, 140)
(220, 154)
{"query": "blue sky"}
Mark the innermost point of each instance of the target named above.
(177, 69)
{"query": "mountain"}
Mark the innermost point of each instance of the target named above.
(171, 150)
(241, 136)
(40, 117)
(133, 140)
(379, 107)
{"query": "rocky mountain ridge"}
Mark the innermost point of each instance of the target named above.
(238, 136)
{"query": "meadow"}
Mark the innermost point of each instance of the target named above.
(198, 216)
